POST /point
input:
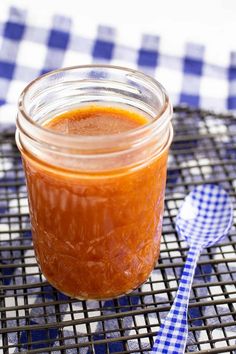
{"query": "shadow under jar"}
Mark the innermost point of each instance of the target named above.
(96, 202)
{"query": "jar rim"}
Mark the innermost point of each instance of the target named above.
(49, 135)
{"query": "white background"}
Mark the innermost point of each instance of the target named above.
(209, 22)
(204, 21)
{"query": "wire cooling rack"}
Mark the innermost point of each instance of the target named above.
(35, 318)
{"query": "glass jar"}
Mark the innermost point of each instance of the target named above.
(96, 202)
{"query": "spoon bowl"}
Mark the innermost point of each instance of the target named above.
(206, 215)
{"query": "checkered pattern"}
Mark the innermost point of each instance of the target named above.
(36, 316)
(30, 46)
(173, 333)
(206, 215)
(204, 219)
(191, 73)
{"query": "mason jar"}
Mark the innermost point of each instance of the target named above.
(96, 202)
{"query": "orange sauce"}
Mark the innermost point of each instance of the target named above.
(96, 120)
(96, 236)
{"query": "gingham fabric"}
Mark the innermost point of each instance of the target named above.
(204, 219)
(31, 45)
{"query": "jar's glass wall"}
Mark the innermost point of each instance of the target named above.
(96, 203)
(64, 90)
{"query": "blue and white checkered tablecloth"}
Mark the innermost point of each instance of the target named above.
(30, 46)
(192, 73)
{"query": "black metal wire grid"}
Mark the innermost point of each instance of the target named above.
(35, 318)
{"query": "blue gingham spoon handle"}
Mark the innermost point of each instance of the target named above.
(173, 333)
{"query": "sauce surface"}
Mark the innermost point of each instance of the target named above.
(96, 121)
(96, 238)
